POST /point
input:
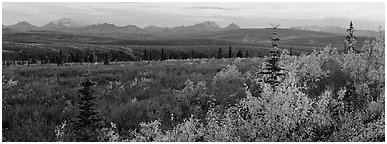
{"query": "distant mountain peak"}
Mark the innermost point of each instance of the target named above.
(130, 26)
(69, 23)
(62, 20)
(209, 24)
(22, 26)
(153, 28)
(232, 26)
(133, 27)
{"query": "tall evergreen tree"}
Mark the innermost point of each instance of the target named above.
(92, 57)
(229, 52)
(219, 53)
(350, 40)
(145, 55)
(87, 122)
(150, 55)
(60, 59)
(271, 68)
(163, 56)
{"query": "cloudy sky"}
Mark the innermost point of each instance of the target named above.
(246, 15)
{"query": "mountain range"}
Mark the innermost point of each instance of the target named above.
(79, 27)
(206, 33)
(73, 26)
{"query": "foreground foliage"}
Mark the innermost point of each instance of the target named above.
(355, 112)
(323, 96)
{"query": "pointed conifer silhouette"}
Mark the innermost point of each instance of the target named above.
(87, 121)
(271, 69)
(350, 40)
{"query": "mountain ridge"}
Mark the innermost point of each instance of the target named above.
(150, 32)
(64, 24)
(75, 26)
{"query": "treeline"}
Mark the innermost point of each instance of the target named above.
(107, 56)
(62, 57)
(170, 54)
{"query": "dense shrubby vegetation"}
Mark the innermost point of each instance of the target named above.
(352, 110)
(323, 96)
(39, 98)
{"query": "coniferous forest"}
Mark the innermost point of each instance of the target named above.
(325, 95)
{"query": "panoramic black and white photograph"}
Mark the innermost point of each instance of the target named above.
(193, 71)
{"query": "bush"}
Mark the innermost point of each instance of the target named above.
(227, 86)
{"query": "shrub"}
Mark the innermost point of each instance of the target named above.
(227, 86)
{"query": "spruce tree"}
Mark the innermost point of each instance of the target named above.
(230, 52)
(145, 55)
(60, 59)
(87, 122)
(163, 57)
(219, 53)
(271, 68)
(350, 40)
(91, 58)
(150, 55)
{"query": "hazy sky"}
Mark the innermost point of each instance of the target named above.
(176, 14)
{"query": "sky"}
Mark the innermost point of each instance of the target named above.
(246, 15)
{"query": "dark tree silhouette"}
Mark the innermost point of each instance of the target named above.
(163, 57)
(150, 55)
(219, 53)
(230, 52)
(271, 68)
(145, 55)
(92, 57)
(87, 121)
(350, 40)
(60, 59)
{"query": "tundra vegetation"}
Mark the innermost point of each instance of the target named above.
(322, 96)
